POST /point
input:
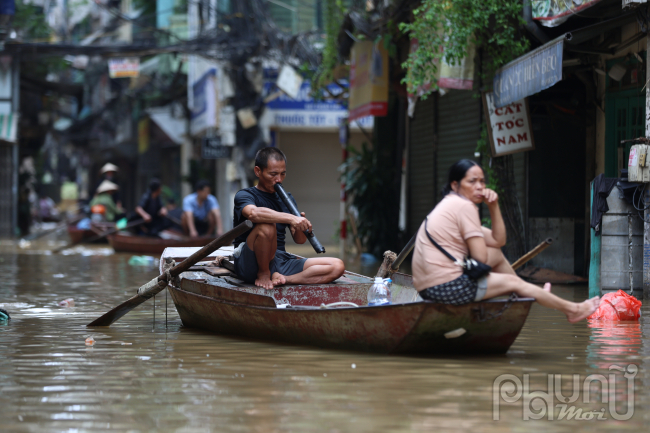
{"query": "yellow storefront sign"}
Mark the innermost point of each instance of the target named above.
(368, 80)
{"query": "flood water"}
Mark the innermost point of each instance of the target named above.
(146, 376)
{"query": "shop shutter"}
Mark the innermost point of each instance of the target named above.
(421, 160)
(521, 168)
(6, 188)
(313, 159)
(459, 128)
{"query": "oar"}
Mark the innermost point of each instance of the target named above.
(405, 252)
(98, 237)
(58, 227)
(159, 283)
(523, 259)
(532, 253)
(174, 220)
(391, 261)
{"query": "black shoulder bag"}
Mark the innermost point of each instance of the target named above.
(472, 268)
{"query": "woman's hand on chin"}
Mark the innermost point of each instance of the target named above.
(490, 197)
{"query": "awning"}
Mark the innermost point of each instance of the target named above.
(541, 68)
(173, 127)
(8, 125)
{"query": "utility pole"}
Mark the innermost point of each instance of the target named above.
(646, 213)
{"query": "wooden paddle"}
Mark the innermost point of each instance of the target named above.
(159, 283)
(98, 237)
(532, 253)
(61, 225)
(394, 266)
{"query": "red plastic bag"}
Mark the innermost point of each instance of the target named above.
(616, 306)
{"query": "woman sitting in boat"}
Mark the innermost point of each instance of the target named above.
(455, 225)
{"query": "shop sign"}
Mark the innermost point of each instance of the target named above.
(124, 67)
(551, 13)
(8, 124)
(529, 74)
(211, 148)
(368, 80)
(632, 3)
(143, 135)
(304, 111)
(204, 110)
(509, 127)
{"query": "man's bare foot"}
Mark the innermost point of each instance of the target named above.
(264, 281)
(547, 287)
(278, 279)
(584, 310)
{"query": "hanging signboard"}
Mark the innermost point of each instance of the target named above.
(211, 148)
(124, 67)
(529, 74)
(204, 111)
(509, 127)
(551, 13)
(629, 4)
(303, 111)
(368, 80)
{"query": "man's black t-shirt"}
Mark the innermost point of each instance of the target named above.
(151, 205)
(259, 198)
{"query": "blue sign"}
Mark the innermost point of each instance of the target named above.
(529, 74)
(305, 111)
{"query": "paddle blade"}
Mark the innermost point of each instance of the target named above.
(119, 311)
(116, 313)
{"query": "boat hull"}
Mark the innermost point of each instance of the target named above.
(80, 235)
(152, 245)
(408, 328)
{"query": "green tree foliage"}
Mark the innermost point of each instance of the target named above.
(369, 174)
(446, 28)
(29, 22)
(334, 12)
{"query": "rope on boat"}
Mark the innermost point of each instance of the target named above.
(339, 304)
(149, 289)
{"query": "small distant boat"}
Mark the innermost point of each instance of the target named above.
(337, 316)
(80, 235)
(130, 243)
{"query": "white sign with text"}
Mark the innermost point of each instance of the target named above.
(509, 127)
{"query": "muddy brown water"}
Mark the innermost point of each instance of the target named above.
(146, 376)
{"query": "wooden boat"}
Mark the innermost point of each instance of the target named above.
(80, 235)
(130, 243)
(215, 300)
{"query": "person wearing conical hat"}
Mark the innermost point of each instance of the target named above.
(109, 172)
(104, 197)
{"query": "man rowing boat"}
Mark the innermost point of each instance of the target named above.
(262, 258)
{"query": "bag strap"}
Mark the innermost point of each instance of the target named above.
(436, 243)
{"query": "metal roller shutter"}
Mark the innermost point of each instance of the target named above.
(421, 160)
(459, 116)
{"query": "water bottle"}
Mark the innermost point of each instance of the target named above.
(379, 294)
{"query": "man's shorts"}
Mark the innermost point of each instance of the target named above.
(462, 290)
(202, 226)
(283, 262)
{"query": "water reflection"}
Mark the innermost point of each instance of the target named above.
(141, 376)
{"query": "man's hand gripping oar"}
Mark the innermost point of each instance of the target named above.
(159, 283)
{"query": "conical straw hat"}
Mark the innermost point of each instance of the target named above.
(105, 186)
(108, 167)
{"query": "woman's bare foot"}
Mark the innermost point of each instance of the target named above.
(547, 287)
(277, 279)
(584, 310)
